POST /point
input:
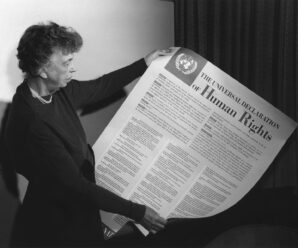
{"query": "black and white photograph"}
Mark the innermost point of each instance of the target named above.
(148, 123)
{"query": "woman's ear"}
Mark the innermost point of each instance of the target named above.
(42, 73)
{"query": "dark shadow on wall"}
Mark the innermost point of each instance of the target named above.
(9, 193)
(7, 171)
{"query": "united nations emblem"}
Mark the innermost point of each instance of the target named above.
(186, 64)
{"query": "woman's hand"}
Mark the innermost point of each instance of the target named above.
(155, 54)
(152, 221)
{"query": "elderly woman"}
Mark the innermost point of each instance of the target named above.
(46, 143)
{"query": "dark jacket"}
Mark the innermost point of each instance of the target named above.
(47, 144)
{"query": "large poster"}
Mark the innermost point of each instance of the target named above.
(190, 141)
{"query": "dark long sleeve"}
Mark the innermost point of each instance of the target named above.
(53, 168)
(83, 93)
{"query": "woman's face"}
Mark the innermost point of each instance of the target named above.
(59, 70)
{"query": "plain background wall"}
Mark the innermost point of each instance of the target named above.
(115, 33)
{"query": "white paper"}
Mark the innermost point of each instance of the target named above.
(189, 141)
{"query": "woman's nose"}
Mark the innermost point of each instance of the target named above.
(72, 68)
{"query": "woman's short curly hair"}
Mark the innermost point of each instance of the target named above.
(39, 41)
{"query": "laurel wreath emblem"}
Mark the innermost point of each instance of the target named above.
(186, 63)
